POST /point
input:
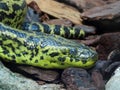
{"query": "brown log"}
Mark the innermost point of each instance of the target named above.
(58, 10)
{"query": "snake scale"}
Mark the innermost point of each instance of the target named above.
(23, 46)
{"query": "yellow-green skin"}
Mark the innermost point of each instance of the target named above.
(67, 32)
(37, 48)
(12, 12)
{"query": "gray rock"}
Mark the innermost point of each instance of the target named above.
(13, 81)
(114, 82)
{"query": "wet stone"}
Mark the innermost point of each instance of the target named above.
(77, 79)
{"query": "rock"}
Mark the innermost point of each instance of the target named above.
(107, 16)
(98, 80)
(13, 81)
(101, 65)
(114, 82)
(107, 67)
(41, 74)
(84, 5)
(90, 41)
(114, 58)
(114, 55)
(77, 79)
(107, 43)
(110, 69)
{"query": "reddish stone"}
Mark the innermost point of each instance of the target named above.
(107, 43)
(77, 79)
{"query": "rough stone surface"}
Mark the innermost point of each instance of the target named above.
(107, 43)
(12, 81)
(77, 79)
(114, 82)
(42, 74)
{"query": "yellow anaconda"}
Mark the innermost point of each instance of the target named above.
(37, 48)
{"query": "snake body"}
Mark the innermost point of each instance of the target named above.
(37, 48)
(67, 32)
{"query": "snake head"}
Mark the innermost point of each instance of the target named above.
(83, 56)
